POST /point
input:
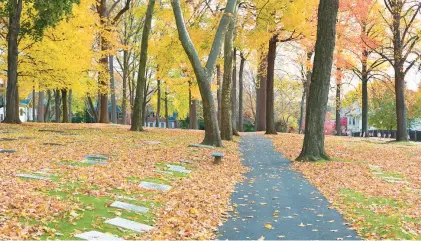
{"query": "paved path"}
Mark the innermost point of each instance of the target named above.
(277, 202)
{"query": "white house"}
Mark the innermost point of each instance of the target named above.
(25, 111)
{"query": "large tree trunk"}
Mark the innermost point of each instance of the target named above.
(240, 95)
(103, 83)
(65, 110)
(192, 111)
(125, 78)
(12, 94)
(113, 99)
(338, 110)
(313, 146)
(70, 117)
(57, 105)
(227, 116)
(219, 92)
(158, 104)
(204, 74)
(364, 75)
(270, 108)
(40, 107)
(234, 90)
(261, 94)
(137, 124)
(401, 134)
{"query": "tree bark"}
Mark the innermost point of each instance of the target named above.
(113, 99)
(47, 108)
(338, 110)
(302, 110)
(364, 79)
(158, 107)
(219, 92)
(40, 107)
(125, 78)
(92, 107)
(65, 109)
(241, 94)
(270, 108)
(204, 74)
(227, 98)
(33, 104)
(261, 94)
(12, 94)
(137, 124)
(401, 134)
(234, 88)
(313, 146)
(70, 117)
(193, 115)
(166, 110)
(57, 105)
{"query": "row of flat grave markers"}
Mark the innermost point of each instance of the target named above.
(125, 223)
(42, 174)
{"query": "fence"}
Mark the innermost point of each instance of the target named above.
(413, 135)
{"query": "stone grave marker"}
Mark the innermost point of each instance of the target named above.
(164, 172)
(128, 224)
(201, 146)
(155, 186)
(23, 175)
(176, 168)
(7, 151)
(129, 207)
(95, 235)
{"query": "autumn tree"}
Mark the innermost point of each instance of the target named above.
(400, 50)
(137, 120)
(313, 146)
(204, 74)
(45, 14)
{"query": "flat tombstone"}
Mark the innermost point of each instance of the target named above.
(95, 235)
(129, 207)
(8, 139)
(52, 144)
(176, 168)
(7, 151)
(94, 162)
(96, 157)
(201, 146)
(32, 177)
(128, 224)
(155, 186)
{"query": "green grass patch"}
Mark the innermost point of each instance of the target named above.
(391, 175)
(376, 215)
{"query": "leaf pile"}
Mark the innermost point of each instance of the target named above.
(191, 210)
(375, 184)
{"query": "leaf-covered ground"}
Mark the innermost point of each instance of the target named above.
(79, 195)
(375, 184)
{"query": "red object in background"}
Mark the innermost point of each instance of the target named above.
(330, 125)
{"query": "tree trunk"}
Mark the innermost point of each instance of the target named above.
(219, 93)
(302, 105)
(47, 108)
(57, 105)
(70, 117)
(270, 108)
(364, 75)
(65, 110)
(193, 115)
(227, 116)
(166, 110)
(261, 95)
(240, 95)
(338, 110)
(92, 107)
(313, 146)
(103, 83)
(40, 107)
(137, 124)
(204, 74)
(125, 78)
(34, 101)
(113, 99)
(12, 94)
(158, 105)
(401, 134)
(234, 89)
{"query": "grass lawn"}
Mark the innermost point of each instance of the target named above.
(91, 166)
(376, 185)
